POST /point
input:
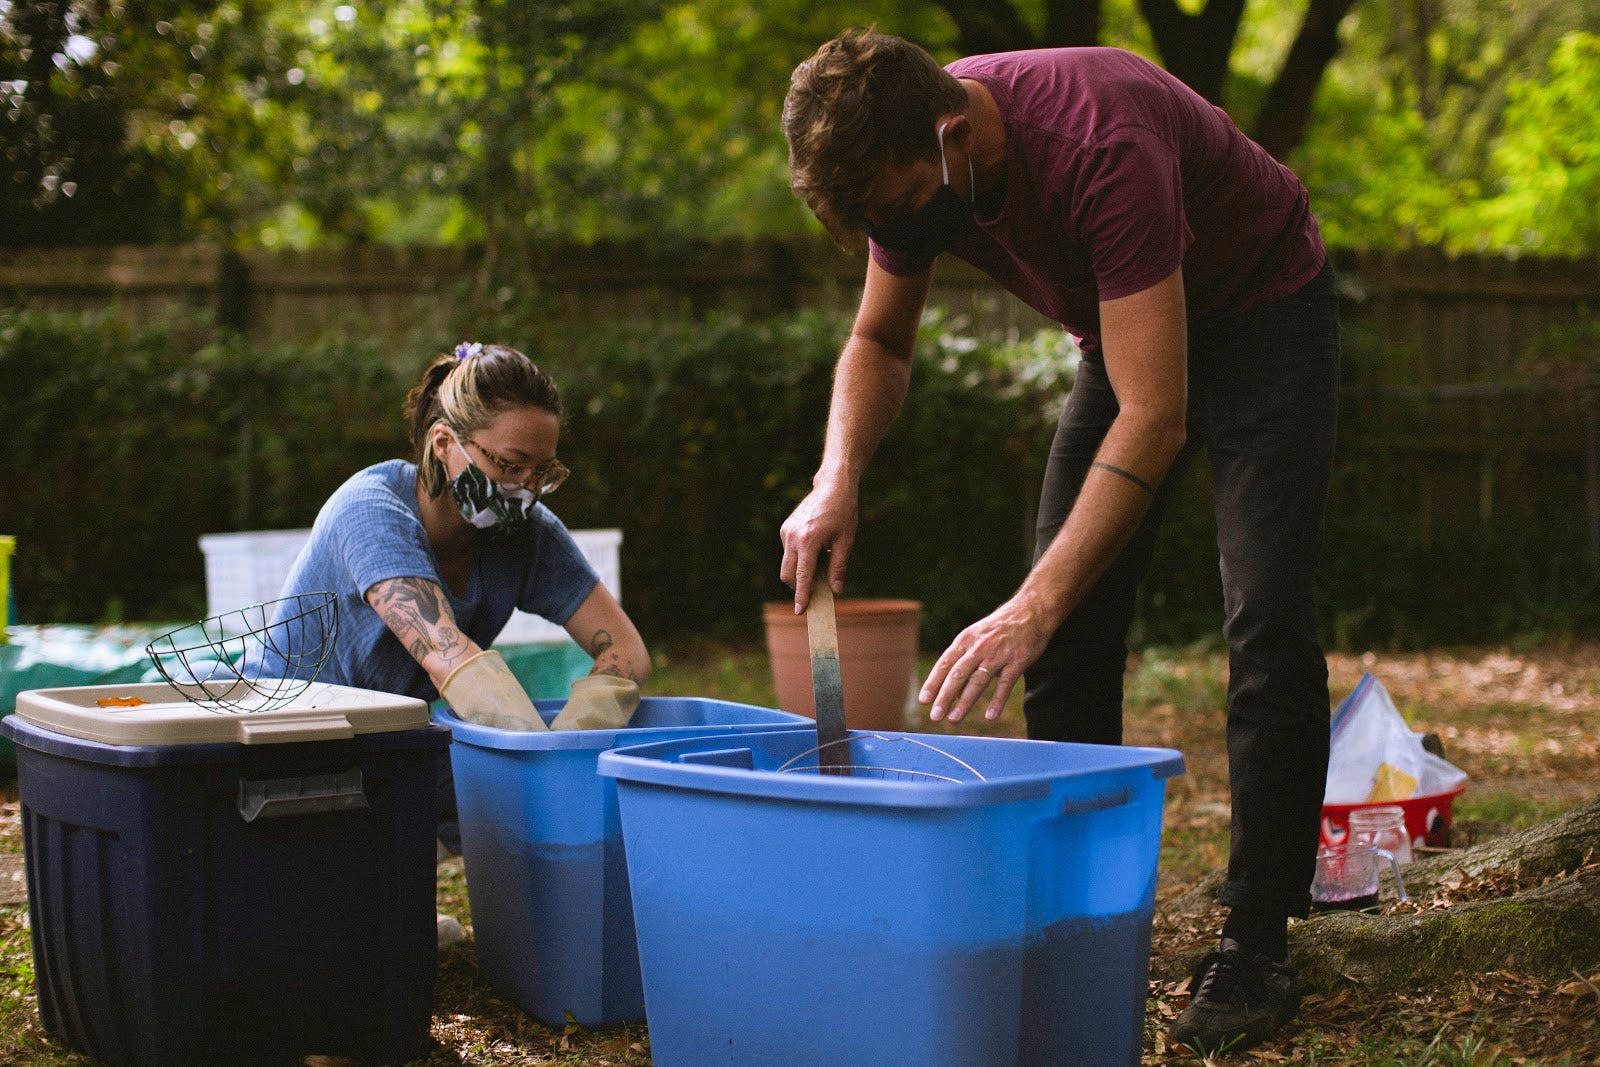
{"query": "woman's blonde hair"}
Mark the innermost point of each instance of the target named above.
(465, 391)
(863, 99)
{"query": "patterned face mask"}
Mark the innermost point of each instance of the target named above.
(505, 509)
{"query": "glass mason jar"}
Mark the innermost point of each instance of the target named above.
(1383, 826)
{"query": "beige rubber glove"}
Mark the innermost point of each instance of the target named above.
(598, 702)
(484, 691)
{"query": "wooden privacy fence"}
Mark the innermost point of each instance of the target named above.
(1439, 320)
(1475, 378)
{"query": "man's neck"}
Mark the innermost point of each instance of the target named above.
(988, 136)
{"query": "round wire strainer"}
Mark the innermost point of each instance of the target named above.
(236, 661)
(897, 774)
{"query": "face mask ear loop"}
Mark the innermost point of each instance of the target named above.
(944, 166)
(459, 446)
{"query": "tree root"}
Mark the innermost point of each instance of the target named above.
(1528, 902)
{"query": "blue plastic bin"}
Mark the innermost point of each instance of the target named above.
(789, 918)
(240, 902)
(548, 885)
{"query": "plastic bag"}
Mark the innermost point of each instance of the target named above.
(1376, 757)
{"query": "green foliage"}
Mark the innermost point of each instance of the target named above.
(1473, 131)
(1385, 194)
(67, 173)
(680, 136)
(126, 445)
(697, 439)
(1549, 158)
(298, 122)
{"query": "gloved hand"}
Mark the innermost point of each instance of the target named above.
(598, 702)
(484, 691)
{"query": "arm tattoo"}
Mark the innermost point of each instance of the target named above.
(1129, 475)
(599, 643)
(607, 660)
(416, 611)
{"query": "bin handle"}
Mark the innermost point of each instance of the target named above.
(1112, 798)
(272, 798)
(275, 731)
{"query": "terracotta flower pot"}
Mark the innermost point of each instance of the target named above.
(877, 659)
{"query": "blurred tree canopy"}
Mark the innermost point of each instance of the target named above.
(1462, 123)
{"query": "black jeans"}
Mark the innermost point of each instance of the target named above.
(1263, 401)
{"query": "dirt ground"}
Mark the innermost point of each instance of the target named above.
(1523, 724)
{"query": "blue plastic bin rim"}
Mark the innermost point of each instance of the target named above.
(739, 717)
(32, 736)
(655, 764)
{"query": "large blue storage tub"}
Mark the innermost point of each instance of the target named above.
(551, 913)
(789, 918)
(251, 901)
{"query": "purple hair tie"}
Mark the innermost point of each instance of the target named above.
(467, 350)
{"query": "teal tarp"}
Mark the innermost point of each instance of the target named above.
(50, 657)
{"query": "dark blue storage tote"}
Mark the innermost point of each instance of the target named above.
(788, 918)
(551, 913)
(240, 901)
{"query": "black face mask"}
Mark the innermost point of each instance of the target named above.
(933, 227)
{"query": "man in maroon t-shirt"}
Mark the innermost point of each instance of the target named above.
(1113, 199)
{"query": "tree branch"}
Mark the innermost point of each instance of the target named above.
(1280, 125)
(984, 26)
(1196, 48)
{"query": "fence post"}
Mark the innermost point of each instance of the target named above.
(233, 292)
(784, 277)
(1591, 424)
(245, 457)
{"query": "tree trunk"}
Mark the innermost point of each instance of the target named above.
(1280, 125)
(1072, 23)
(1196, 48)
(1536, 911)
(984, 26)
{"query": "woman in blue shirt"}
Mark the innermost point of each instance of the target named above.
(429, 558)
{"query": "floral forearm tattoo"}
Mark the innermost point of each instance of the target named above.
(416, 612)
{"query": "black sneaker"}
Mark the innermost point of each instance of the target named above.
(1236, 1001)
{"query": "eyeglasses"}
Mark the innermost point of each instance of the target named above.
(545, 478)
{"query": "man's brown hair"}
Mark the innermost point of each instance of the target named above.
(864, 98)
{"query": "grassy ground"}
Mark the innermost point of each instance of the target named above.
(1521, 721)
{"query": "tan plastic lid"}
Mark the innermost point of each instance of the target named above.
(323, 712)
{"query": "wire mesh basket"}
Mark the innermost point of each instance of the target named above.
(866, 747)
(252, 659)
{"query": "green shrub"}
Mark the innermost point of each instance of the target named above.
(697, 439)
(126, 445)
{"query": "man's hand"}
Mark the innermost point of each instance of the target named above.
(987, 657)
(825, 520)
(1145, 340)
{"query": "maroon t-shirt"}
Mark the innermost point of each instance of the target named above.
(1117, 173)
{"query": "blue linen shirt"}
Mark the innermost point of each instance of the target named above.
(370, 530)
